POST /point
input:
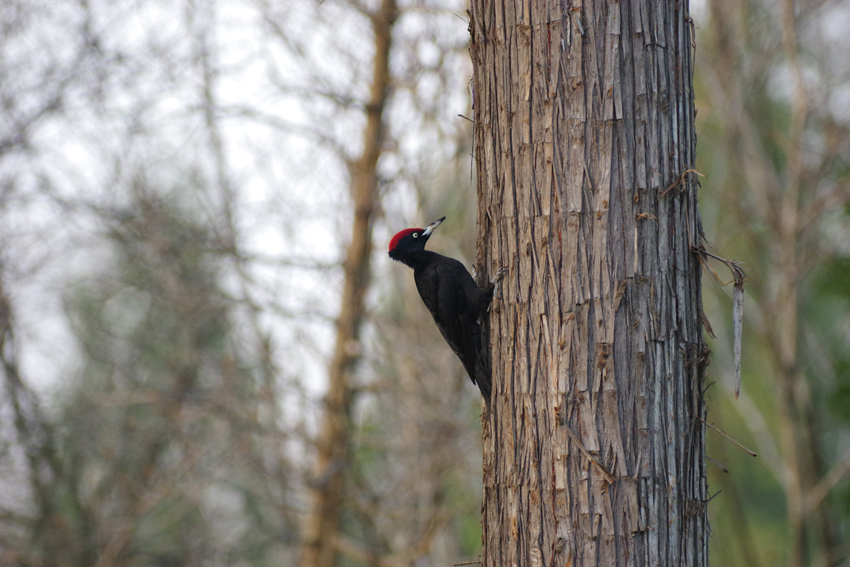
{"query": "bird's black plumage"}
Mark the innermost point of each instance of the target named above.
(455, 301)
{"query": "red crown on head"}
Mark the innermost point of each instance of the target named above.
(401, 235)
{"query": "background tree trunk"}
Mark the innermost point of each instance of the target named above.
(593, 449)
(332, 448)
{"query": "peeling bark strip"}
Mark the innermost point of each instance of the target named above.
(584, 116)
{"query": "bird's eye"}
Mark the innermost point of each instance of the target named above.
(415, 235)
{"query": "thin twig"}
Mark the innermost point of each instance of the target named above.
(726, 435)
(680, 180)
(827, 483)
(608, 476)
(718, 463)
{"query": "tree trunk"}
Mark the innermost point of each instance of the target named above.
(319, 548)
(593, 448)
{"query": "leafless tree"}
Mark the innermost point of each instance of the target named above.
(174, 195)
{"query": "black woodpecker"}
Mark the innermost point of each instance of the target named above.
(453, 298)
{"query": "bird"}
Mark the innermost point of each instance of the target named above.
(455, 301)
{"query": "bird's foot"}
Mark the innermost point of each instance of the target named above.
(500, 275)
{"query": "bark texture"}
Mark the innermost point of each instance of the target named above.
(319, 536)
(593, 448)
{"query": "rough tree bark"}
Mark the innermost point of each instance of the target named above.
(319, 548)
(585, 144)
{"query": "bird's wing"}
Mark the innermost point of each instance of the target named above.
(441, 286)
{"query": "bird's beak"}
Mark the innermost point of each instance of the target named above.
(430, 228)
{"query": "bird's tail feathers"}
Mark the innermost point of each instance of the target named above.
(482, 378)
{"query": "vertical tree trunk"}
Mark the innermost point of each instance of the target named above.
(320, 529)
(593, 448)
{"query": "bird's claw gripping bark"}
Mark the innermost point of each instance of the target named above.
(500, 275)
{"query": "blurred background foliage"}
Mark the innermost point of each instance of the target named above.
(173, 220)
(773, 97)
